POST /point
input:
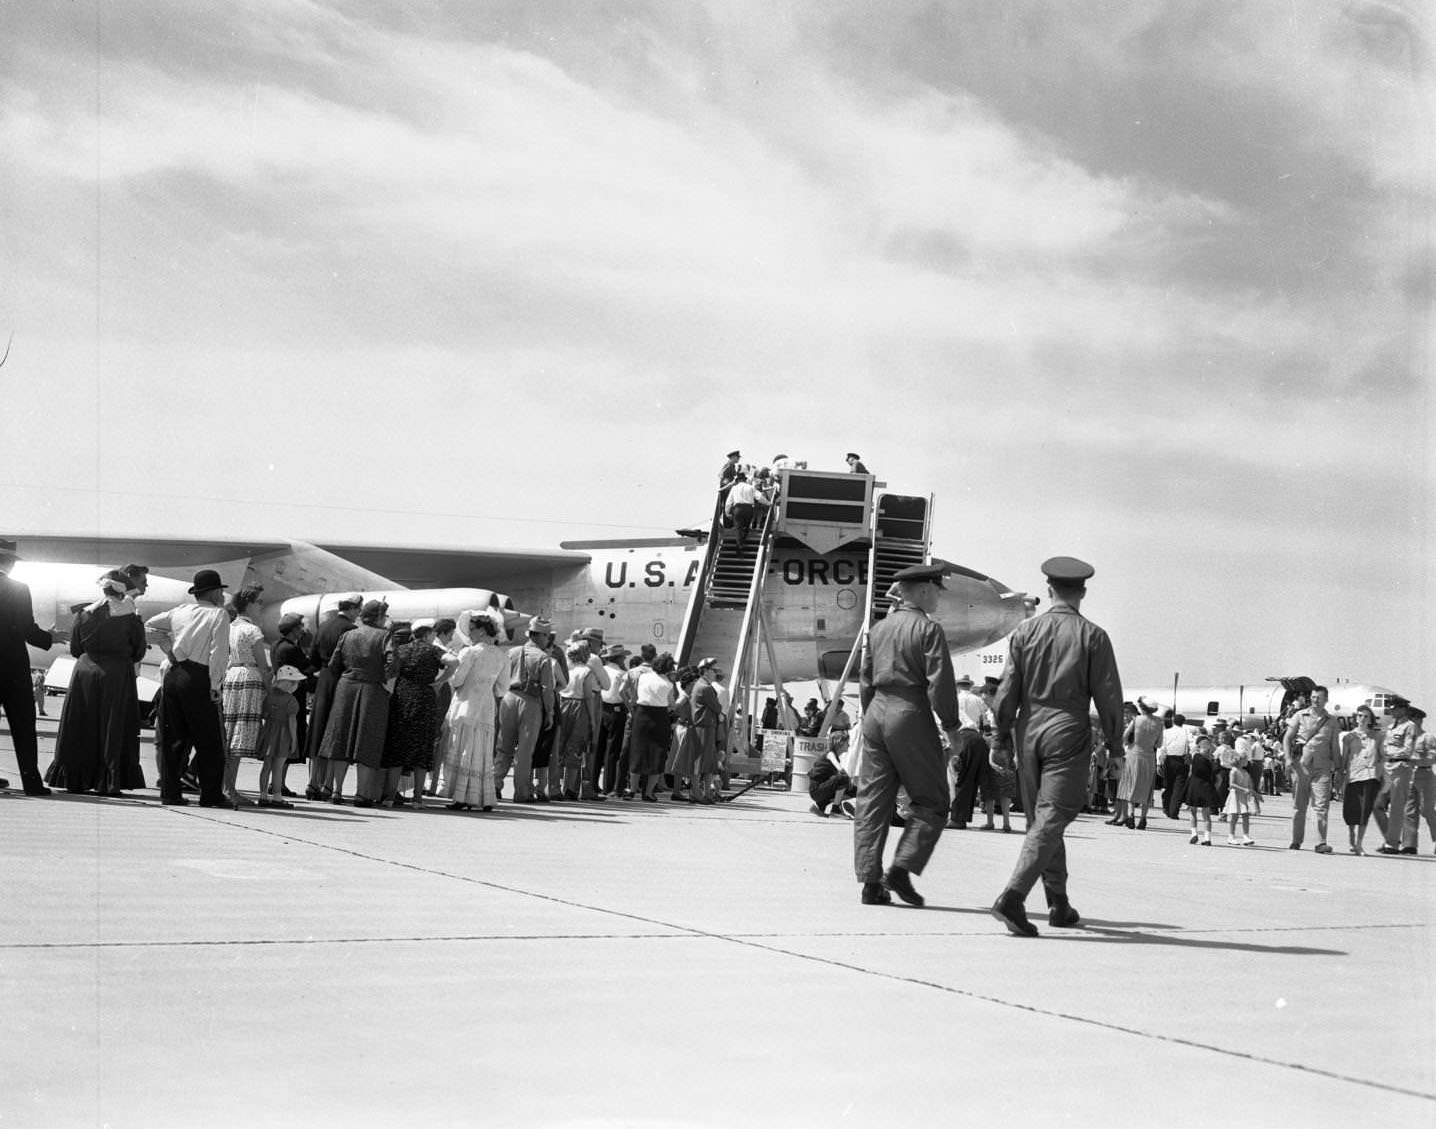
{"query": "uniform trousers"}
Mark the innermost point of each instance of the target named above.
(1310, 788)
(1390, 808)
(1420, 804)
(610, 764)
(970, 761)
(17, 698)
(191, 720)
(520, 719)
(1053, 773)
(901, 748)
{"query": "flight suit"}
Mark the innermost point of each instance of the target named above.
(906, 678)
(1056, 664)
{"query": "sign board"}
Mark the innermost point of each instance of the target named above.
(775, 749)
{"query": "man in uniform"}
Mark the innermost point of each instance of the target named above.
(1056, 663)
(855, 463)
(17, 695)
(906, 678)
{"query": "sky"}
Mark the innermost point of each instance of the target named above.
(1145, 283)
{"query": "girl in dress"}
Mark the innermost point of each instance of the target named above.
(1201, 791)
(246, 683)
(1242, 800)
(999, 787)
(278, 736)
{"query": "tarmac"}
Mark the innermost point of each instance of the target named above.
(629, 964)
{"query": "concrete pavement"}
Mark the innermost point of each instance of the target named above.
(664, 965)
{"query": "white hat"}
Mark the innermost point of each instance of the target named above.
(288, 673)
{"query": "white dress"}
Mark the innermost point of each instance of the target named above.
(471, 726)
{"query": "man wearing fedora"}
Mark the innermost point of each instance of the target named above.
(968, 767)
(1057, 663)
(608, 772)
(17, 695)
(527, 707)
(195, 639)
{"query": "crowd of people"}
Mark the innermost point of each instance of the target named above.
(416, 709)
(443, 709)
(1194, 772)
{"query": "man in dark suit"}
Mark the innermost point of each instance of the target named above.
(17, 695)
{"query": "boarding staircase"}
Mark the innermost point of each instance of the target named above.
(899, 540)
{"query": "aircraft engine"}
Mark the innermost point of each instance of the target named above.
(404, 603)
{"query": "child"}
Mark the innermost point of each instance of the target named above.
(999, 787)
(1201, 791)
(1242, 799)
(277, 736)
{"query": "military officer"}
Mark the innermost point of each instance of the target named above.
(1056, 664)
(906, 678)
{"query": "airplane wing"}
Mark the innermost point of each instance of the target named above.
(413, 566)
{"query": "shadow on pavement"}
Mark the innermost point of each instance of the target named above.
(1096, 935)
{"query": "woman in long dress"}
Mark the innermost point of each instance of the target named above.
(246, 684)
(98, 745)
(1139, 771)
(359, 717)
(413, 713)
(471, 726)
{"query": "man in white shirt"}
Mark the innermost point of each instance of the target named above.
(1176, 749)
(613, 705)
(195, 640)
(742, 498)
(967, 765)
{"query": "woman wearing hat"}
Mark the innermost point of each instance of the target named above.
(292, 649)
(471, 727)
(1140, 741)
(359, 717)
(414, 711)
(98, 745)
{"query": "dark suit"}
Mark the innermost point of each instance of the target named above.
(17, 694)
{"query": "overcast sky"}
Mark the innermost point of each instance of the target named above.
(1146, 283)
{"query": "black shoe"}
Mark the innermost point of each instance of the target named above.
(876, 894)
(174, 801)
(817, 809)
(289, 793)
(310, 793)
(1009, 910)
(1388, 849)
(222, 802)
(41, 790)
(1142, 824)
(898, 881)
(1404, 850)
(1062, 914)
(361, 802)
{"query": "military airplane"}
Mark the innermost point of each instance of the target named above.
(816, 593)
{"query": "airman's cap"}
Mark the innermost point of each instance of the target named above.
(930, 572)
(1416, 712)
(735, 454)
(540, 626)
(854, 455)
(965, 681)
(1066, 570)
